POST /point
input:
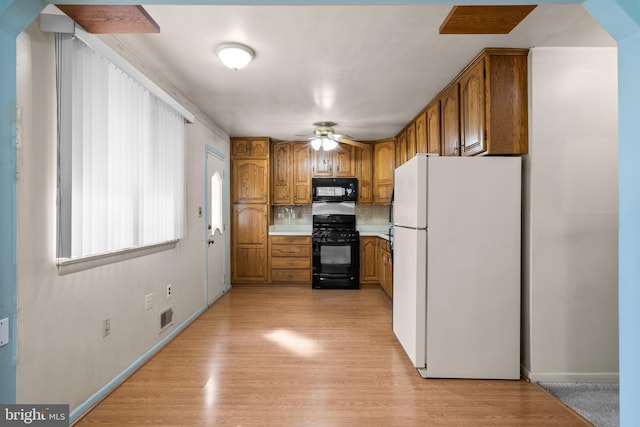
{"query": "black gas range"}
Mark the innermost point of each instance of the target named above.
(336, 246)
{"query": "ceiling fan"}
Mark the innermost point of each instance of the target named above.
(324, 137)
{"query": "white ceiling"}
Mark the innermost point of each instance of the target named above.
(370, 68)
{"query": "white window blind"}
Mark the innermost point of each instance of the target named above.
(120, 160)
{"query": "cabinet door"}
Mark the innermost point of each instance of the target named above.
(281, 181)
(433, 128)
(421, 133)
(249, 225)
(249, 258)
(401, 148)
(249, 181)
(383, 167)
(260, 147)
(250, 147)
(344, 164)
(301, 173)
(364, 168)
(411, 140)
(472, 103)
(368, 260)
(450, 121)
(322, 163)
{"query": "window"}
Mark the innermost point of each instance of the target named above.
(120, 157)
(216, 204)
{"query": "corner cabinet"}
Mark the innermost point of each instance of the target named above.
(250, 210)
(383, 168)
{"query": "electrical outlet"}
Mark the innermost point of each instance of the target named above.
(169, 290)
(106, 327)
(148, 301)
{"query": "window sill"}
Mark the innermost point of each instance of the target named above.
(74, 265)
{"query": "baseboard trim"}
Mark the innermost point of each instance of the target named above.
(578, 377)
(85, 407)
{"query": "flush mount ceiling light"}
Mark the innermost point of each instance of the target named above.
(235, 55)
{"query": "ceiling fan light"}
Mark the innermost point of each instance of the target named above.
(328, 144)
(234, 55)
(316, 144)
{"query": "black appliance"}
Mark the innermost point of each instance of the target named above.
(334, 189)
(335, 246)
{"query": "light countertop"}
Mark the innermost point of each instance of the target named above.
(305, 230)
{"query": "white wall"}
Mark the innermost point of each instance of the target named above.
(62, 356)
(570, 259)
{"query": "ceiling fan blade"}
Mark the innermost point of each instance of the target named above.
(352, 142)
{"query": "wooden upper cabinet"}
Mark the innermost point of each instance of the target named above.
(401, 148)
(472, 101)
(322, 163)
(433, 128)
(249, 180)
(494, 103)
(301, 173)
(364, 169)
(411, 141)
(344, 162)
(421, 133)
(250, 147)
(339, 162)
(450, 121)
(281, 174)
(506, 101)
(383, 168)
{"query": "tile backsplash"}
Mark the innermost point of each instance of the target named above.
(301, 215)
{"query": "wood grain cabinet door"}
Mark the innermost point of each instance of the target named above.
(249, 180)
(421, 133)
(472, 107)
(322, 163)
(249, 257)
(450, 121)
(344, 162)
(301, 173)
(433, 128)
(401, 148)
(364, 168)
(383, 167)
(281, 181)
(249, 225)
(368, 260)
(411, 141)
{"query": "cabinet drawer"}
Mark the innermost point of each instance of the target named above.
(291, 275)
(290, 240)
(291, 251)
(286, 262)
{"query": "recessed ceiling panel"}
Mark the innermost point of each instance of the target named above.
(103, 19)
(484, 19)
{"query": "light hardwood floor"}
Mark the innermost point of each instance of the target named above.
(300, 357)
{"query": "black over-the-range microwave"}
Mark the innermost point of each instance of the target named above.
(334, 189)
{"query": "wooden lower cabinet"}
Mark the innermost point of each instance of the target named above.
(369, 260)
(385, 267)
(290, 259)
(249, 262)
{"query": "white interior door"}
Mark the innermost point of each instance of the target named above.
(215, 227)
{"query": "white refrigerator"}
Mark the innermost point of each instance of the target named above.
(456, 265)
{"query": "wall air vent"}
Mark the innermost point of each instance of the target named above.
(166, 318)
